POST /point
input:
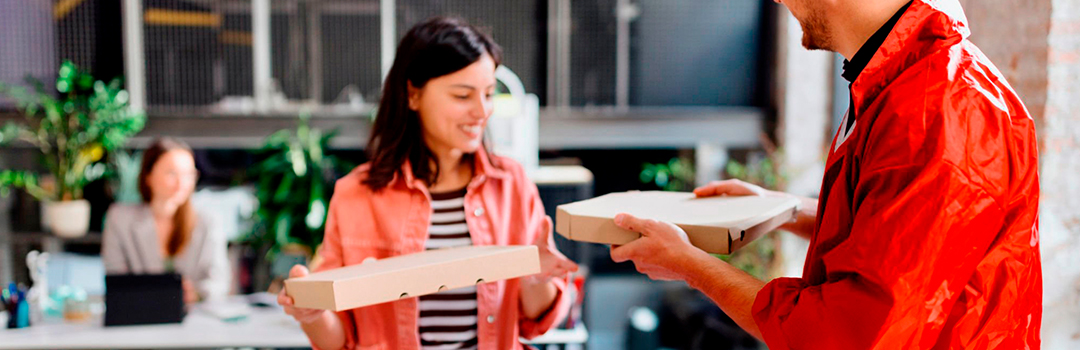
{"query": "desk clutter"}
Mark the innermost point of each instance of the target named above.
(14, 300)
(230, 323)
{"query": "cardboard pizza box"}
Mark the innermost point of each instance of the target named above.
(718, 225)
(412, 275)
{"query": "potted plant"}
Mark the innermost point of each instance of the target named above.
(293, 183)
(73, 129)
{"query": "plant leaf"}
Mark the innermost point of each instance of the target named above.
(284, 188)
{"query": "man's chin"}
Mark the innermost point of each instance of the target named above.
(810, 43)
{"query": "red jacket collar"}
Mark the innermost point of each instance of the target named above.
(926, 27)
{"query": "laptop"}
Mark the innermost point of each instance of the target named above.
(143, 299)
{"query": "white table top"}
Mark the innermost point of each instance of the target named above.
(263, 327)
(267, 327)
(576, 335)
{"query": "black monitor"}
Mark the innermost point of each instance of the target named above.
(143, 299)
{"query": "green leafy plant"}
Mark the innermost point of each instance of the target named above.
(73, 131)
(675, 175)
(761, 171)
(293, 185)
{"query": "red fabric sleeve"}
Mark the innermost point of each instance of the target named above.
(918, 233)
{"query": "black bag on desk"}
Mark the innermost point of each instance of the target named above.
(143, 299)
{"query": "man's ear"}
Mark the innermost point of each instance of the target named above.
(414, 97)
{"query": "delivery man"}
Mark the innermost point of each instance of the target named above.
(925, 233)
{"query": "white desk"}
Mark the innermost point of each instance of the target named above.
(577, 335)
(263, 328)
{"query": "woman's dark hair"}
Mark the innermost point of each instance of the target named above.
(431, 49)
(185, 217)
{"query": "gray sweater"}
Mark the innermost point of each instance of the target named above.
(130, 245)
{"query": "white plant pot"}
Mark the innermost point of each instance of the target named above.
(66, 219)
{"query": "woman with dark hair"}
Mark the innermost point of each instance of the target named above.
(431, 184)
(164, 233)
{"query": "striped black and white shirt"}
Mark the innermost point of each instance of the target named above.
(448, 319)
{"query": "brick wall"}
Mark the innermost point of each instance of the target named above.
(1036, 45)
(1060, 179)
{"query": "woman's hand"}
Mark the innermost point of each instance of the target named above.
(191, 295)
(321, 326)
(302, 315)
(538, 293)
(553, 264)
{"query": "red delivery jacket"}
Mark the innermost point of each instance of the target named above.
(927, 227)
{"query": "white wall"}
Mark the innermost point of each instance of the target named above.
(805, 104)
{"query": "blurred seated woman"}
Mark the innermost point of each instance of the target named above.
(164, 233)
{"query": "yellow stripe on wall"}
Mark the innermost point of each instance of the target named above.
(63, 7)
(235, 37)
(181, 18)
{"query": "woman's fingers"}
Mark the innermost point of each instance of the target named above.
(306, 315)
(310, 317)
(302, 315)
(546, 228)
(569, 266)
(283, 299)
(306, 312)
(298, 271)
(562, 269)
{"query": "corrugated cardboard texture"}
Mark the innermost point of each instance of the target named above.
(411, 275)
(715, 224)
